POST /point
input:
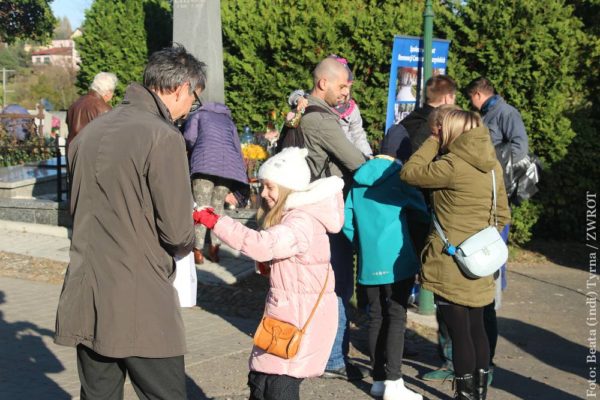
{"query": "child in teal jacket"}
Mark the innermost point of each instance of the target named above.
(376, 222)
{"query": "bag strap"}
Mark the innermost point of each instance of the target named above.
(319, 109)
(494, 198)
(450, 249)
(317, 304)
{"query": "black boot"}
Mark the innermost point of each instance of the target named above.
(465, 388)
(482, 383)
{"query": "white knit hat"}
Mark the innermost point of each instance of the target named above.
(288, 169)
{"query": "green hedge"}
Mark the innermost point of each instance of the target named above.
(541, 56)
(271, 47)
(118, 36)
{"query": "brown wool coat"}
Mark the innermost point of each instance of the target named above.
(462, 199)
(131, 205)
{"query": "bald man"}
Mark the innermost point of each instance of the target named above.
(331, 153)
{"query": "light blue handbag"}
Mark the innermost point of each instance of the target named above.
(481, 254)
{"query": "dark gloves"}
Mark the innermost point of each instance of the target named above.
(206, 217)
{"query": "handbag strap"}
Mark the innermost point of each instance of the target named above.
(494, 198)
(317, 304)
(447, 246)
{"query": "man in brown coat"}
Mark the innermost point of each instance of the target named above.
(91, 104)
(131, 204)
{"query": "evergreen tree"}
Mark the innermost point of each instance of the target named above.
(118, 36)
(63, 29)
(271, 48)
(26, 19)
(530, 50)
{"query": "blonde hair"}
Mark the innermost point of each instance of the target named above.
(436, 117)
(268, 217)
(455, 123)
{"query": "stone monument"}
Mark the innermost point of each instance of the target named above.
(197, 26)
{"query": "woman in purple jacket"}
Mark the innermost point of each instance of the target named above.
(216, 165)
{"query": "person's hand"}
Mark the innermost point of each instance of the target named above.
(206, 216)
(230, 199)
(301, 104)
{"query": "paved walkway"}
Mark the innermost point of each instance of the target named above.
(541, 352)
(53, 243)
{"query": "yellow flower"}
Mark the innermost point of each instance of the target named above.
(254, 152)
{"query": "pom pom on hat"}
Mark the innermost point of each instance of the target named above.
(287, 168)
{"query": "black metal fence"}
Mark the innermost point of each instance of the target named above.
(21, 144)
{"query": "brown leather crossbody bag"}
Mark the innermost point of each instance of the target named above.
(280, 338)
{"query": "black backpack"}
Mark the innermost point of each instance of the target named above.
(291, 136)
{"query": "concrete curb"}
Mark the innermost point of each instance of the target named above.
(50, 230)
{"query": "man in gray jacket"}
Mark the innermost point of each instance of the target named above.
(331, 153)
(131, 205)
(503, 120)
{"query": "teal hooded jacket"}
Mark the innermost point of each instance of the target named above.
(376, 222)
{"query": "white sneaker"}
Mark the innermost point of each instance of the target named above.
(377, 388)
(395, 390)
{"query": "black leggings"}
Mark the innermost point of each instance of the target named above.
(470, 347)
(273, 387)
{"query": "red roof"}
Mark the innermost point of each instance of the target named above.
(56, 51)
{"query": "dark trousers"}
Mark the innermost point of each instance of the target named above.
(152, 378)
(342, 263)
(273, 387)
(491, 328)
(470, 346)
(387, 323)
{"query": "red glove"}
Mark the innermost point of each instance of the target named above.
(206, 217)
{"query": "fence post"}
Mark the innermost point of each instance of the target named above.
(58, 170)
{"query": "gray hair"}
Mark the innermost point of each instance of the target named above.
(171, 67)
(104, 83)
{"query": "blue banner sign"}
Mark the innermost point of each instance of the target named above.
(406, 75)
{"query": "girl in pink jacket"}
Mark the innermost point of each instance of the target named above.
(295, 217)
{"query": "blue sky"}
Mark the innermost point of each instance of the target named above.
(72, 9)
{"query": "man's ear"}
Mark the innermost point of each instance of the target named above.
(322, 84)
(180, 90)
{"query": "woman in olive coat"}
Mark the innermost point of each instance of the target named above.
(461, 184)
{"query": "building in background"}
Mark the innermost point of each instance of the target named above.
(60, 53)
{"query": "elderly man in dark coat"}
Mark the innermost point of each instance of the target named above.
(92, 104)
(131, 205)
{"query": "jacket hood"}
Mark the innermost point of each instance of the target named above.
(417, 118)
(323, 200)
(219, 108)
(475, 147)
(377, 170)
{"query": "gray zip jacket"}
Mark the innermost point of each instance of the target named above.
(506, 126)
(329, 150)
(352, 125)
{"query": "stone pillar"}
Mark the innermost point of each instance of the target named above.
(197, 26)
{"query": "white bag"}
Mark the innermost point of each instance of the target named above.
(481, 254)
(186, 281)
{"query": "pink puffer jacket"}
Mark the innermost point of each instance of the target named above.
(299, 249)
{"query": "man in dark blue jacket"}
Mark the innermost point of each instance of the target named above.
(503, 120)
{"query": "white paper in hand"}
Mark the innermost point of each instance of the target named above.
(186, 281)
